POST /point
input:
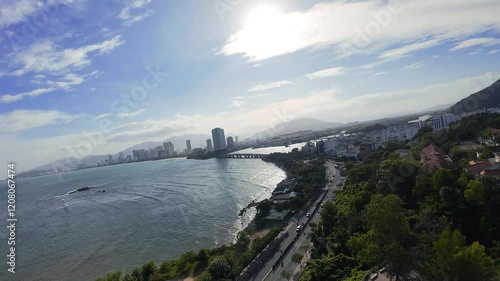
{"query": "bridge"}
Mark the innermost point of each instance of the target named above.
(243, 155)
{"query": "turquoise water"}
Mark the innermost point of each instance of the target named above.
(150, 211)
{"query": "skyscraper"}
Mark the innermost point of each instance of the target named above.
(209, 145)
(236, 139)
(219, 139)
(188, 145)
(230, 142)
(169, 148)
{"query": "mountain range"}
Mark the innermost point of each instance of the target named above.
(486, 98)
(296, 125)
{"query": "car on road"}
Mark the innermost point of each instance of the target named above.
(299, 227)
(308, 215)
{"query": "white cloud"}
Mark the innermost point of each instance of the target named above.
(12, 12)
(104, 115)
(380, 73)
(267, 86)
(131, 114)
(20, 96)
(19, 120)
(415, 65)
(366, 26)
(493, 52)
(237, 103)
(44, 55)
(68, 81)
(476, 52)
(330, 72)
(402, 52)
(128, 18)
(485, 41)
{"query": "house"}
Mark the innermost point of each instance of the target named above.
(475, 168)
(434, 158)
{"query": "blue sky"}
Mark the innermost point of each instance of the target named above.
(95, 77)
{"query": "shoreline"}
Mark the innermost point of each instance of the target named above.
(254, 203)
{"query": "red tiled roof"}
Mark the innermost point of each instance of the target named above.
(433, 156)
(478, 166)
(495, 173)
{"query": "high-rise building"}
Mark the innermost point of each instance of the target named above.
(188, 145)
(230, 142)
(236, 139)
(209, 145)
(169, 148)
(219, 139)
(110, 159)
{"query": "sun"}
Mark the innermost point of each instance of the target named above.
(263, 16)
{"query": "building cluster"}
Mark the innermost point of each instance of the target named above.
(219, 143)
(285, 190)
(358, 144)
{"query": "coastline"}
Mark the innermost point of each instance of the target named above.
(253, 204)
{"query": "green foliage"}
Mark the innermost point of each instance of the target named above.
(297, 257)
(286, 274)
(220, 268)
(422, 131)
(473, 264)
(404, 224)
(441, 178)
(475, 193)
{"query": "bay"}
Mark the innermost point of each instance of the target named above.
(134, 213)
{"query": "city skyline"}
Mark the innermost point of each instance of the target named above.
(104, 73)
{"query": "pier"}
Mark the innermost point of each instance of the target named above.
(243, 156)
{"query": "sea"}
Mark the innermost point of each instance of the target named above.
(134, 213)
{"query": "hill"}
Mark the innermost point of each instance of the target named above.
(486, 98)
(301, 124)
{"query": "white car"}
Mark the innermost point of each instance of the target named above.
(308, 215)
(298, 227)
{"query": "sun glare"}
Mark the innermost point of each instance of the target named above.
(262, 16)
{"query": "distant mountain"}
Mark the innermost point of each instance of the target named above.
(486, 98)
(179, 143)
(301, 124)
(437, 108)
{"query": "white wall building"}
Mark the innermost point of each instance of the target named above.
(219, 139)
(329, 146)
(442, 121)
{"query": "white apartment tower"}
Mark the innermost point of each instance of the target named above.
(219, 139)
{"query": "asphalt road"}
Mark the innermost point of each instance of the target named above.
(300, 245)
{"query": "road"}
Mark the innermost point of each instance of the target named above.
(302, 242)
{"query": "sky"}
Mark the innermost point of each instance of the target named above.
(87, 77)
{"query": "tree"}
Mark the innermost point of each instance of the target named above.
(220, 268)
(474, 193)
(115, 276)
(148, 270)
(203, 257)
(441, 178)
(286, 275)
(422, 132)
(473, 264)
(448, 244)
(388, 229)
(297, 257)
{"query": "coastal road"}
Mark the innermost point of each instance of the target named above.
(301, 244)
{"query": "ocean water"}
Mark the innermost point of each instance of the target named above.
(150, 211)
